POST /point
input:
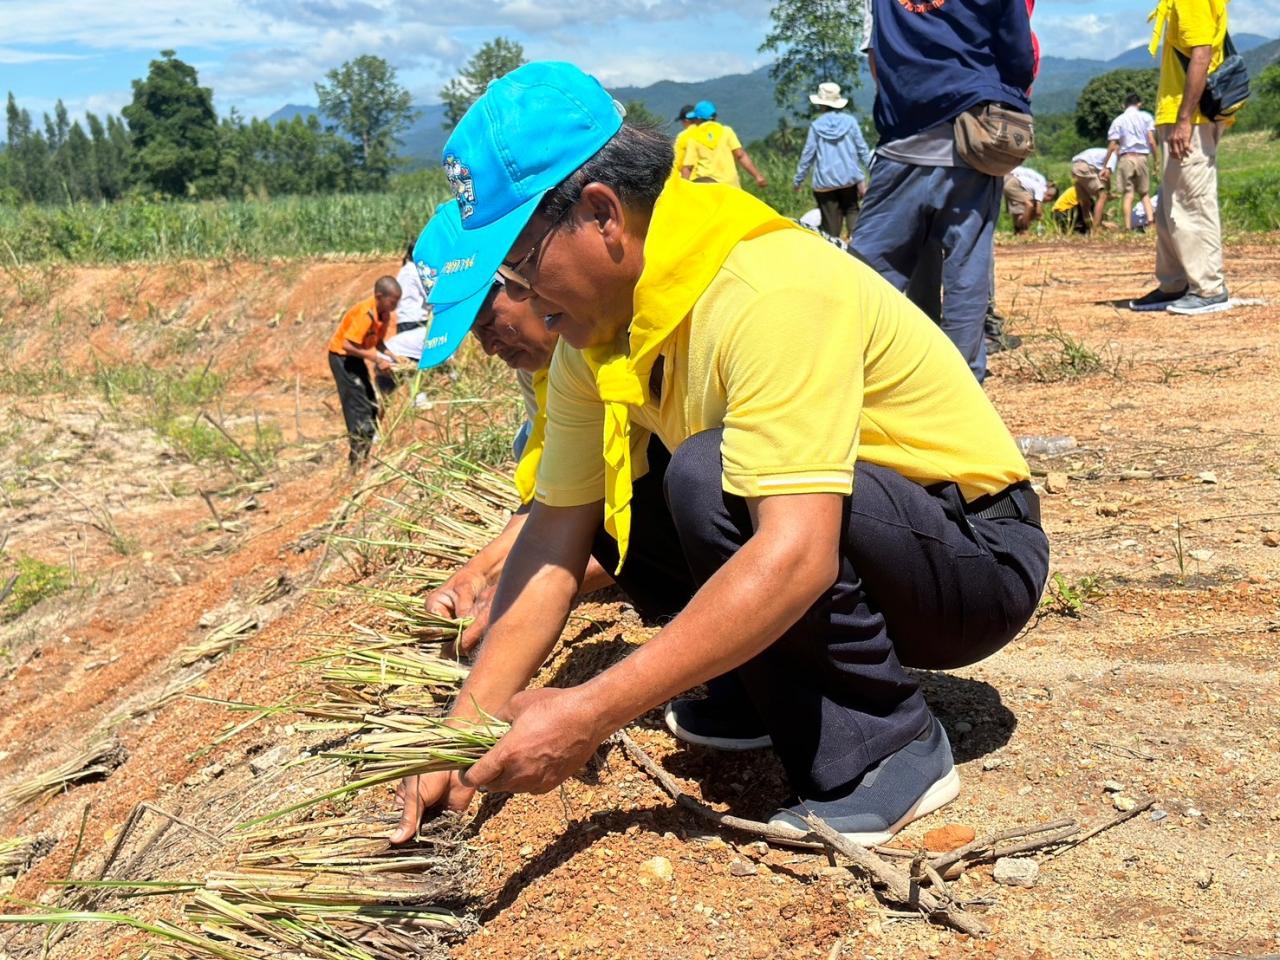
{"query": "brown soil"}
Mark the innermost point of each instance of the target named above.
(1164, 680)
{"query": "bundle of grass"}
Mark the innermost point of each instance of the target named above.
(97, 759)
(410, 613)
(358, 844)
(221, 639)
(389, 748)
(17, 854)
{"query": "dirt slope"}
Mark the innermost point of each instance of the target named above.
(1162, 680)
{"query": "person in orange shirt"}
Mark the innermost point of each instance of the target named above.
(358, 344)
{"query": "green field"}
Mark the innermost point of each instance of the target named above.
(380, 223)
(133, 230)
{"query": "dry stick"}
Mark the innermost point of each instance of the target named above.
(990, 840)
(214, 510)
(262, 471)
(1106, 825)
(901, 886)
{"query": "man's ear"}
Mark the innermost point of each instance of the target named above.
(607, 212)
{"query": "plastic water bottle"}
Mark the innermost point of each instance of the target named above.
(1046, 446)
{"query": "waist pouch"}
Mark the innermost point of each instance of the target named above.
(993, 138)
(1226, 90)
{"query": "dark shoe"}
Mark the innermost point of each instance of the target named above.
(1157, 299)
(997, 340)
(918, 779)
(1194, 303)
(722, 723)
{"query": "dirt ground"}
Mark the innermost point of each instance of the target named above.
(1152, 666)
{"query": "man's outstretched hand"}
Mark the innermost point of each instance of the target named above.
(426, 794)
(465, 594)
(553, 734)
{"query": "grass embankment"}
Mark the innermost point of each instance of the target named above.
(141, 229)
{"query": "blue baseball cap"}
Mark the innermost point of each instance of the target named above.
(529, 131)
(702, 110)
(438, 246)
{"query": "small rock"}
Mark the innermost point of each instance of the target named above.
(658, 868)
(742, 868)
(1056, 483)
(267, 761)
(1025, 791)
(1016, 872)
(526, 852)
(1108, 509)
(1271, 540)
(757, 850)
(1158, 815)
(1203, 878)
(1122, 803)
(1207, 477)
(1112, 786)
(1136, 474)
(1193, 813)
(207, 620)
(948, 838)
(1200, 555)
(992, 763)
(963, 727)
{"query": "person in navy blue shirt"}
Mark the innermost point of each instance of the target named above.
(933, 61)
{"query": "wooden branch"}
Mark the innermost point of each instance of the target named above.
(900, 886)
(1106, 825)
(253, 461)
(974, 849)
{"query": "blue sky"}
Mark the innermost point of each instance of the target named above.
(260, 54)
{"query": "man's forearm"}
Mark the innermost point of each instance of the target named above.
(744, 158)
(540, 579)
(1193, 89)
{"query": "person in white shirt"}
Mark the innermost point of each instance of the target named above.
(1025, 192)
(413, 316)
(1090, 172)
(1133, 137)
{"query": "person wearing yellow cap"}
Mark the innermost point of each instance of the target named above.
(845, 497)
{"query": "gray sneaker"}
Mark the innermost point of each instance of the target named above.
(1194, 303)
(904, 786)
(1157, 299)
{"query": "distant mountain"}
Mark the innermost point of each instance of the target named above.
(745, 100)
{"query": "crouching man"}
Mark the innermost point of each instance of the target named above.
(844, 499)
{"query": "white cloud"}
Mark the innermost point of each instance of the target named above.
(1092, 36)
(11, 55)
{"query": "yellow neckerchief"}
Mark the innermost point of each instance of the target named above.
(693, 229)
(527, 468)
(1160, 16)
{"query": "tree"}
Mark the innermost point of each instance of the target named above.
(1102, 100)
(364, 101)
(28, 153)
(816, 41)
(173, 128)
(495, 59)
(640, 115)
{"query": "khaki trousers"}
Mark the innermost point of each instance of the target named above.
(1188, 227)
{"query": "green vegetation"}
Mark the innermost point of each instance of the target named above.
(170, 143)
(140, 229)
(32, 581)
(493, 60)
(1102, 100)
(814, 41)
(1067, 598)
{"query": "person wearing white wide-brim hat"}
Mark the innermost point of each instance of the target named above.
(837, 153)
(828, 95)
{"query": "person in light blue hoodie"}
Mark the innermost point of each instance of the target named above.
(837, 153)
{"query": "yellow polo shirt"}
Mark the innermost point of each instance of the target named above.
(1191, 23)
(681, 144)
(709, 150)
(810, 361)
(1069, 199)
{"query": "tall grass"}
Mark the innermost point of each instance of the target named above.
(150, 230)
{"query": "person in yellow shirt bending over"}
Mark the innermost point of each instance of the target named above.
(1188, 226)
(844, 500)
(687, 128)
(712, 150)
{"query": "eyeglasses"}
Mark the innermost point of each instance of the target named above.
(518, 272)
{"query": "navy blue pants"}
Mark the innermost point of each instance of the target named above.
(922, 583)
(909, 207)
